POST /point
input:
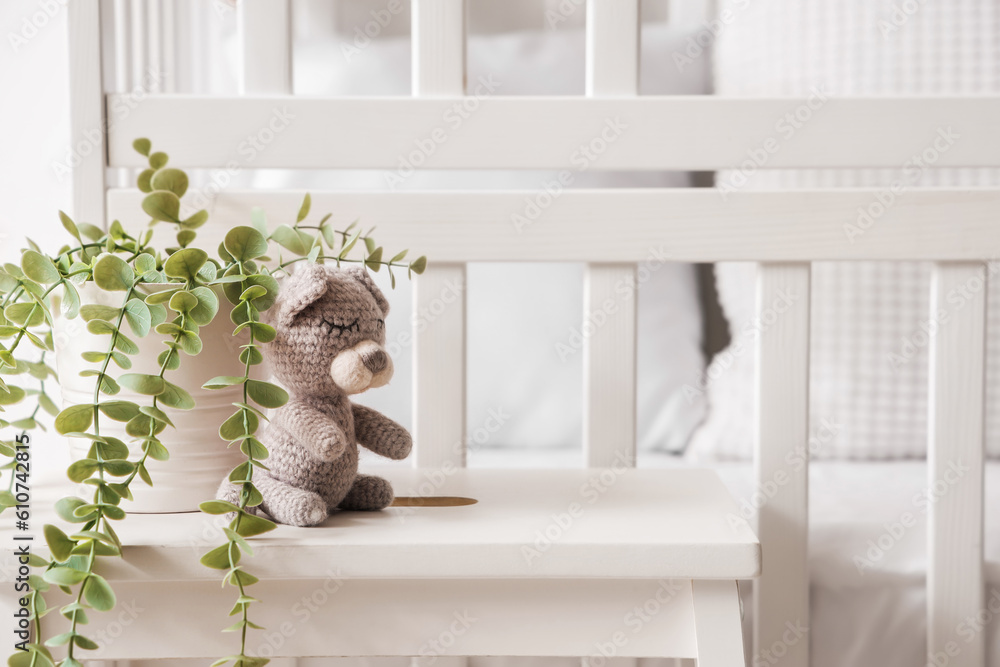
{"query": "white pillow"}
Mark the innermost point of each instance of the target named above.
(518, 313)
(869, 351)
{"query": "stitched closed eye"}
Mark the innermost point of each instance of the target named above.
(332, 326)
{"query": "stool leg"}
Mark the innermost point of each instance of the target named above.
(717, 624)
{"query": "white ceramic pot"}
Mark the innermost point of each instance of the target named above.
(199, 459)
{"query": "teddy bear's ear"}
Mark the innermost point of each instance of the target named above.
(362, 276)
(300, 290)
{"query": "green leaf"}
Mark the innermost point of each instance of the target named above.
(148, 385)
(245, 243)
(121, 411)
(169, 359)
(63, 576)
(70, 226)
(90, 231)
(25, 314)
(196, 220)
(66, 508)
(233, 291)
(71, 301)
(398, 256)
(10, 395)
(253, 292)
(218, 507)
(59, 544)
(81, 470)
(138, 317)
(85, 643)
(304, 210)
(97, 312)
(174, 180)
(254, 448)
(75, 418)
(99, 594)
(156, 413)
(349, 244)
(218, 558)
(266, 394)
(142, 181)
(160, 296)
(156, 451)
(190, 343)
(290, 239)
(162, 205)
(112, 274)
(185, 237)
(418, 265)
(185, 263)
(158, 160)
(234, 427)
(142, 146)
(145, 263)
(374, 260)
(207, 307)
(101, 327)
(176, 397)
(39, 268)
(223, 381)
(251, 525)
(251, 355)
(182, 301)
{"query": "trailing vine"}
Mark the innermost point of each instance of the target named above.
(172, 293)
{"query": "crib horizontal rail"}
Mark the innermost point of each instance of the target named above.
(690, 225)
(573, 133)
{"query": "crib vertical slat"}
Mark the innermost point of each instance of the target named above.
(955, 461)
(265, 31)
(439, 294)
(781, 594)
(87, 120)
(609, 347)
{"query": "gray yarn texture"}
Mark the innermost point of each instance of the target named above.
(321, 313)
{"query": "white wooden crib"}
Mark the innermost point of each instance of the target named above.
(650, 531)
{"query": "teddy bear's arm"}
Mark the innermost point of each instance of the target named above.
(314, 430)
(380, 434)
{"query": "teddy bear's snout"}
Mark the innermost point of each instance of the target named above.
(364, 366)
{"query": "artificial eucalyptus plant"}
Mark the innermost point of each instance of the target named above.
(173, 292)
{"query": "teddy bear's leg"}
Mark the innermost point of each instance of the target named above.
(290, 505)
(368, 493)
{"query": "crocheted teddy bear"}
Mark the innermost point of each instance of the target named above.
(330, 344)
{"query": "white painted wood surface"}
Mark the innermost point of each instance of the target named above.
(648, 132)
(265, 38)
(336, 615)
(718, 623)
(955, 461)
(609, 302)
(532, 524)
(686, 225)
(87, 120)
(781, 594)
(439, 346)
